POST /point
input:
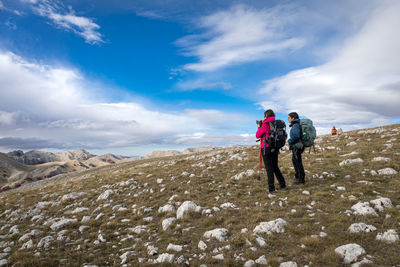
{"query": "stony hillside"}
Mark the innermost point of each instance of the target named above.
(213, 208)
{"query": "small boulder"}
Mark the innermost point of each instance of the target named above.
(221, 234)
(350, 252)
(389, 236)
(275, 226)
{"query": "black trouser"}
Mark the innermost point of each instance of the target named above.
(271, 165)
(298, 164)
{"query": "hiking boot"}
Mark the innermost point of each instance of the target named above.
(297, 182)
(273, 192)
(282, 187)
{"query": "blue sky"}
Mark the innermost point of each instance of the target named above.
(134, 76)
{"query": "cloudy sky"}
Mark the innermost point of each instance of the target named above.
(134, 76)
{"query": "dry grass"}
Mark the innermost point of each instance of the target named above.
(321, 211)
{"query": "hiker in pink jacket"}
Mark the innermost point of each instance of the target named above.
(270, 157)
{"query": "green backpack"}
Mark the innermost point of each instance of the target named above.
(308, 132)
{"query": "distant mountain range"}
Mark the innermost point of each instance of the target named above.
(17, 167)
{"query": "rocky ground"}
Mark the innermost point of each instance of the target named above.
(212, 209)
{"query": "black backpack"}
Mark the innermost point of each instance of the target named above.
(277, 136)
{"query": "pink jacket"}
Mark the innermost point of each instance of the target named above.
(264, 130)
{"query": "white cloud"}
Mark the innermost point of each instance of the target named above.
(358, 87)
(239, 35)
(67, 20)
(1, 5)
(203, 84)
(53, 107)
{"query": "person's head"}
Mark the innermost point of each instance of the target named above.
(292, 116)
(269, 113)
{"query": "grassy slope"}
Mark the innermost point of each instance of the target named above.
(211, 188)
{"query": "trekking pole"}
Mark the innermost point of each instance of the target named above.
(260, 166)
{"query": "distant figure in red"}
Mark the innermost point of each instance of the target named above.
(334, 131)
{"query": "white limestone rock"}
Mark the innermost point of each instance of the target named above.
(124, 257)
(72, 195)
(62, 223)
(173, 247)
(85, 219)
(249, 263)
(3, 262)
(288, 264)
(228, 205)
(45, 242)
(387, 171)
(381, 159)
(350, 161)
(152, 250)
(218, 257)
(79, 210)
(202, 245)
(82, 228)
(166, 223)
(186, 207)
(389, 236)
(382, 203)
(221, 234)
(275, 226)
(29, 235)
(361, 227)
(138, 229)
(105, 195)
(262, 260)
(352, 143)
(27, 245)
(165, 257)
(363, 208)
(350, 252)
(261, 241)
(14, 230)
(166, 208)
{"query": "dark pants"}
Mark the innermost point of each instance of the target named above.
(298, 164)
(271, 165)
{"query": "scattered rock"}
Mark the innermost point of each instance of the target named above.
(218, 257)
(363, 208)
(165, 257)
(105, 195)
(166, 223)
(202, 245)
(166, 208)
(186, 207)
(387, 171)
(61, 224)
(288, 264)
(249, 263)
(221, 234)
(45, 242)
(389, 236)
(382, 203)
(361, 227)
(350, 252)
(276, 226)
(262, 260)
(151, 250)
(350, 161)
(173, 247)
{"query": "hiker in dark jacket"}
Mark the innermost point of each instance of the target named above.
(297, 147)
(270, 155)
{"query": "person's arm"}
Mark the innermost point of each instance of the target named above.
(294, 134)
(261, 131)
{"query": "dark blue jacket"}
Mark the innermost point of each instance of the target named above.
(295, 133)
